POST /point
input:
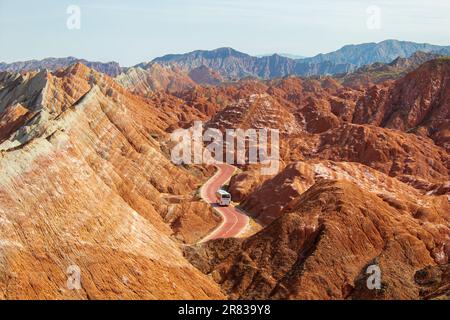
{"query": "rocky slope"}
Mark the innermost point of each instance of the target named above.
(380, 72)
(169, 78)
(155, 78)
(84, 186)
(258, 111)
(271, 197)
(321, 247)
(348, 196)
(418, 103)
(321, 119)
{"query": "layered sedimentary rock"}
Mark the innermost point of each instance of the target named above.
(364, 183)
(82, 190)
(153, 78)
(258, 111)
(418, 103)
(274, 196)
(87, 184)
(321, 247)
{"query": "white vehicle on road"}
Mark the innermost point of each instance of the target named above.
(223, 198)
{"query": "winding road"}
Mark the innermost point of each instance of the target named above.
(233, 221)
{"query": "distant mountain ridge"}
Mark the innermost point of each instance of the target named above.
(368, 53)
(232, 64)
(112, 68)
(286, 55)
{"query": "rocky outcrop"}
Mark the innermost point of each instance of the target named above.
(244, 183)
(190, 220)
(11, 119)
(434, 282)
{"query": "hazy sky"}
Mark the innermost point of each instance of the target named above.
(136, 30)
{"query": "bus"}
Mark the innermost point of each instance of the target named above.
(223, 198)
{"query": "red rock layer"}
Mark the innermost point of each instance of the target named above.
(84, 184)
(321, 247)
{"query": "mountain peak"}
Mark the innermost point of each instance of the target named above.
(223, 52)
(78, 68)
(226, 50)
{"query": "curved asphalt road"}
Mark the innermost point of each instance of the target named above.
(233, 221)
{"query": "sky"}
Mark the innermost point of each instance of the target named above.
(135, 31)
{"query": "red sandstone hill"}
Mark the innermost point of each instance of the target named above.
(86, 182)
(257, 111)
(315, 118)
(321, 247)
(418, 103)
(272, 197)
(155, 78)
(348, 195)
(169, 78)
